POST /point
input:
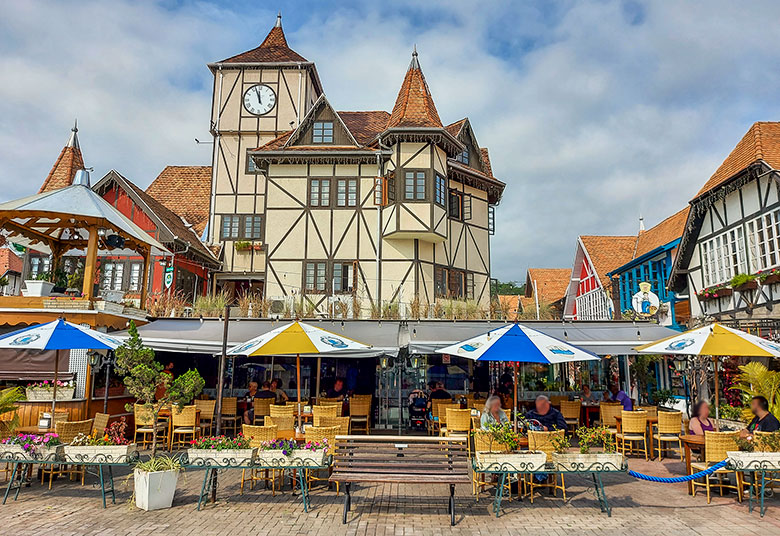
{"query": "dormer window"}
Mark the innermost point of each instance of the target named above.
(463, 157)
(323, 132)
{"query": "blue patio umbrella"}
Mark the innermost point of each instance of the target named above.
(57, 335)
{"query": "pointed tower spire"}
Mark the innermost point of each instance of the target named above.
(414, 105)
(641, 224)
(273, 49)
(279, 20)
(67, 164)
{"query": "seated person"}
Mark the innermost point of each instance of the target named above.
(437, 393)
(249, 414)
(763, 420)
(337, 391)
(700, 421)
(619, 395)
(549, 417)
(606, 397)
(588, 397)
(279, 393)
(492, 414)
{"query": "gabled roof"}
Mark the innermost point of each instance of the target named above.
(273, 49)
(456, 127)
(761, 142)
(365, 126)
(486, 161)
(306, 122)
(66, 165)
(667, 231)
(607, 253)
(9, 262)
(414, 105)
(186, 191)
(551, 283)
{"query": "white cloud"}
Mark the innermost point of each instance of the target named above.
(594, 111)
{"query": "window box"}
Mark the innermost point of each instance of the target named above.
(715, 294)
(221, 458)
(243, 246)
(259, 246)
(749, 285)
(771, 279)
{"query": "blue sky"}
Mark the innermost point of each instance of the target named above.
(594, 111)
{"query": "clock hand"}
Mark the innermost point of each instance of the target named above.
(259, 96)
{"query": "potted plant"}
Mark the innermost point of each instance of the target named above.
(258, 246)
(585, 460)
(31, 447)
(45, 390)
(8, 399)
(40, 286)
(760, 451)
(744, 282)
(242, 245)
(153, 388)
(287, 453)
(111, 447)
(155, 482)
(769, 277)
(221, 451)
(504, 452)
(715, 292)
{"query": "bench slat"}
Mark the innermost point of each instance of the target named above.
(393, 478)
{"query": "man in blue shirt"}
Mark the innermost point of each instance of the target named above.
(618, 395)
(549, 417)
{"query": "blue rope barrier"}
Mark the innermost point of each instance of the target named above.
(675, 479)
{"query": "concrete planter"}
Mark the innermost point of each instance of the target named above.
(16, 452)
(754, 460)
(221, 458)
(37, 287)
(519, 462)
(42, 393)
(99, 453)
(299, 458)
(67, 303)
(600, 461)
(155, 490)
(109, 307)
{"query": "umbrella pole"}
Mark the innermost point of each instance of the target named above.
(514, 398)
(56, 379)
(717, 388)
(298, 385)
(220, 387)
(317, 384)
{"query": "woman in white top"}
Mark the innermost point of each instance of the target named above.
(492, 414)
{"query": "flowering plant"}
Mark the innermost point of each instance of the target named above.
(113, 435)
(221, 442)
(596, 434)
(314, 446)
(32, 442)
(46, 384)
(764, 274)
(288, 446)
(503, 434)
(713, 291)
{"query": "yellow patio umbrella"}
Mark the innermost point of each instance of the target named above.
(297, 338)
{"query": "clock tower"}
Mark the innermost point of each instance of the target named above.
(257, 96)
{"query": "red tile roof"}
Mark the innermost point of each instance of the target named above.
(9, 261)
(551, 283)
(273, 50)
(186, 191)
(64, 169)
(667, 231)
(608, 253)
(455, 128)
(414, 105)
(365, 126)
(761, 142)
(486, 161)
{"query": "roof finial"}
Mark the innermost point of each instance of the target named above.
(415, 64)
(73, 141)
(279, 19)
(641, 223)
(75, 125)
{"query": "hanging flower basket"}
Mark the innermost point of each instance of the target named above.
(754, 460)
(515, 462)
(600, 461)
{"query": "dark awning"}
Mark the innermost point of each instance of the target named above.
(36, 365)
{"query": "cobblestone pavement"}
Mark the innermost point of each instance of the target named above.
(638, 508)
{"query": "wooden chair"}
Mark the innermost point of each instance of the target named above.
(145, 425)
(716, 444)
(67, 432)
(543, 441)
(571, 410)
(230, 416)
(341, 422)
(207, 409)
(262, 407)
(323, 411)
(258, 435)
(360, 414)
(607, 413)
(668, 431)
(633, 429)
(281, 411)
(184, 423)
(101, 423)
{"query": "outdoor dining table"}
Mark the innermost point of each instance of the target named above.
(651, 420)
(587, 412)
(33, 429)
(690, 442)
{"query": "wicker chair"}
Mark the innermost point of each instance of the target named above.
(556, 400)
(281, 411)
(484, 443)
(360, 414)
(652, 411)
(184, 423)
(258, 435)
(145, 425)
(230, 416)
(716, 444)
(207, 409)
(571, 411)
(607, 413)
(60, 415)
(341, 422)
(101, 423)
(262, 407)
(67, 432)
(543, 441)
(668, 431)
(433, 418)
(318, 433)
(440, 420)
(318, 412)
(633, 429)
(322, 401)
(285, 423)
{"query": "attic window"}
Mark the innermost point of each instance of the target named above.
(323, 132)
(463, 157)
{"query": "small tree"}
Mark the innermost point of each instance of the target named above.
(144, 375)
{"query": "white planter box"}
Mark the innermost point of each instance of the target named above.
(754, 460)
(589, 462)
(113, 295)
(221, 458)
(16, 452)
(37, 287)
(299, 458)
(99, 453)
(109, 307)
(154, 491)
(520, 462)
(41, 393)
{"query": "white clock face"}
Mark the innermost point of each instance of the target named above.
(259, 99)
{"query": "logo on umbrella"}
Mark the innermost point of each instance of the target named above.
(24, 340)
(770, 345)
(680, 344)
(470, 347)
(241, 349)
(335, 342)
(559, 350)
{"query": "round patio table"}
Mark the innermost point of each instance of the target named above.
(691, 442)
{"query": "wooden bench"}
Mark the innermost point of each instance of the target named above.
(400, 460)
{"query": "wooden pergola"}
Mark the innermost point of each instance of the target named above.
(77, 218)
